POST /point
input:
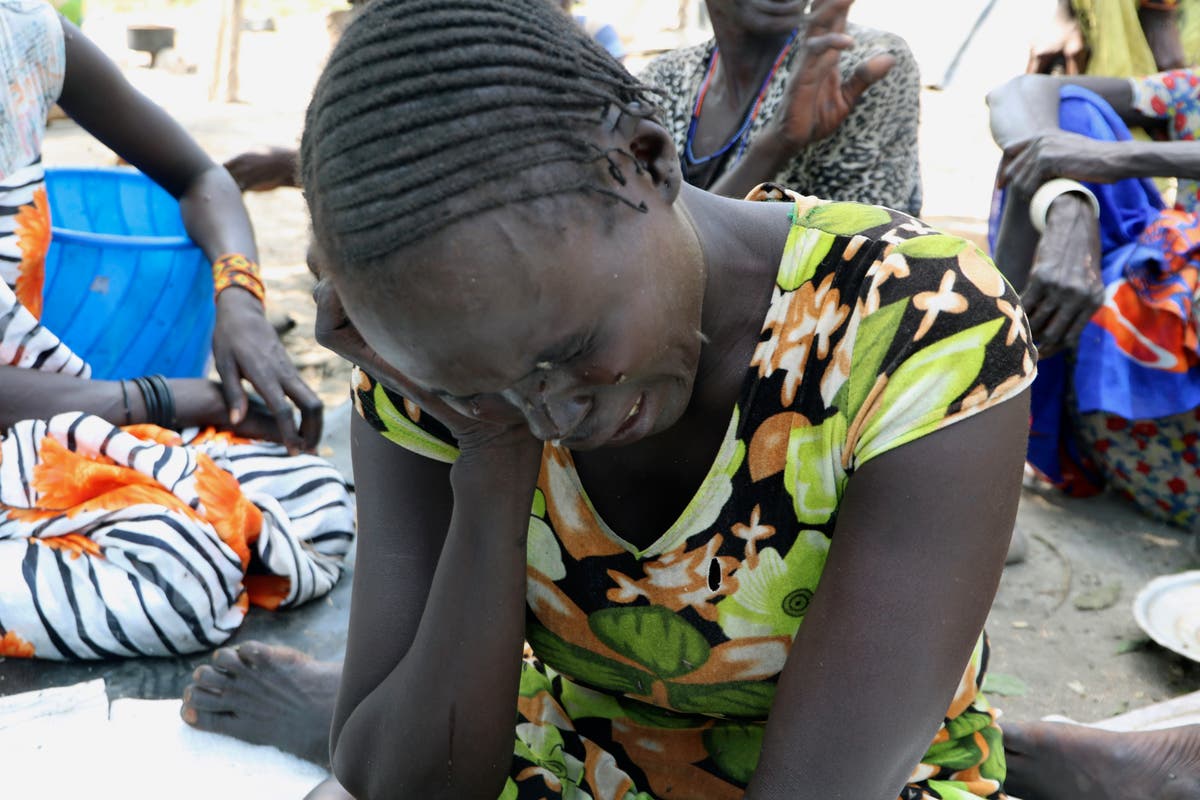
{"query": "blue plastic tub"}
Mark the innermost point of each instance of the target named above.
(126, 288)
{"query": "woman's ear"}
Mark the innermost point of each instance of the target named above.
(654, 150)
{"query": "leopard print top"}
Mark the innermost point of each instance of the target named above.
(872, 158)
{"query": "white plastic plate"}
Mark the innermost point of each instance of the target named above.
(1168, 609)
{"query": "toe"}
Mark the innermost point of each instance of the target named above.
(205, 720)
(1017, 739)
(254, 654)
(202, 699)
(208, 677)
(226, 660)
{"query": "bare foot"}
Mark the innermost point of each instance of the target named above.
(265, 695)
(1055, 761)
(329, 790)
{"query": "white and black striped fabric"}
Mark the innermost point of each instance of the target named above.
(155, 580)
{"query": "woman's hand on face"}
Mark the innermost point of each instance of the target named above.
(477, 424)
(1065, 286)
(246, 347)
(1063, 42)
(1030, 163)
(817, 101)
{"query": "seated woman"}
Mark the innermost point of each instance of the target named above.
(1111, 281)
(1113, 38)
(806, 100)
(124, 542)
(659, 435)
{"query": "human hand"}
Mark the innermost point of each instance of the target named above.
(264, 170)
(1065, 287)
(817, 101)
(1063, 41)
(245, 346)
(1028, 164)
(200, 403)
(477, 423)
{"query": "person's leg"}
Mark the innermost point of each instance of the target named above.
(266, 695)
(1056, 761)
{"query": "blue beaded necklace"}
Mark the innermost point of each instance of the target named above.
(741, 136)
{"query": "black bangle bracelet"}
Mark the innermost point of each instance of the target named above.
(166, 402)
(150, 398)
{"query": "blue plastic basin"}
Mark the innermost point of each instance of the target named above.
(125, 288)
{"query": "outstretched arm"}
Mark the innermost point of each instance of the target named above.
(97, 96)
(30, 394)
(914, 565)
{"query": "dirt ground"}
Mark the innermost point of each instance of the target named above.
(1085, 664)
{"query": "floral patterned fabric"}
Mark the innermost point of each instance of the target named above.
(654, 670)
(1153, 463)
(1174, 96)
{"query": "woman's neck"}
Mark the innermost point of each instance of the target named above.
(745, 59)
(741, 245)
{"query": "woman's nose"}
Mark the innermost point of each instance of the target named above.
(554, 412)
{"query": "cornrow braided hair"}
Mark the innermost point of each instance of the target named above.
(431, 111)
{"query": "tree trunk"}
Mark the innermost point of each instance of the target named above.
(225, 62)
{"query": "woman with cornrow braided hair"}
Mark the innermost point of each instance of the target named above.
(661, 494)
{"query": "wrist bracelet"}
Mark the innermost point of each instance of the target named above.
(234, 269)
(1048, 192)
(159, 400)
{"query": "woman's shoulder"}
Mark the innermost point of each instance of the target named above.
(908, 328)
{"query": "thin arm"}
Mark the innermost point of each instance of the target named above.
(97, 96)
(429, 690)
(914, 566)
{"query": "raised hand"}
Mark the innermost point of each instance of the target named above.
(1062, 42)
(817, 101)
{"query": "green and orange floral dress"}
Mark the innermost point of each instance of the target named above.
(653, 671)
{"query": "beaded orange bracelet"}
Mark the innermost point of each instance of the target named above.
(235, 269)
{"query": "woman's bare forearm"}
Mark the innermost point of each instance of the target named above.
(441, 723)
(29, 394)
(1159, 160)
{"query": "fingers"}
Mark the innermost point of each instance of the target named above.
(311, 408)
(1040, 314)
(872, 70)
(236, 401)
(1059, 323)
(828, 16)
(827, 45)
(272, 393)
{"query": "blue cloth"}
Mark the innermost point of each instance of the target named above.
(604, 34)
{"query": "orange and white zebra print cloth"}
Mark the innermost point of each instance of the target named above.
(145, 542)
